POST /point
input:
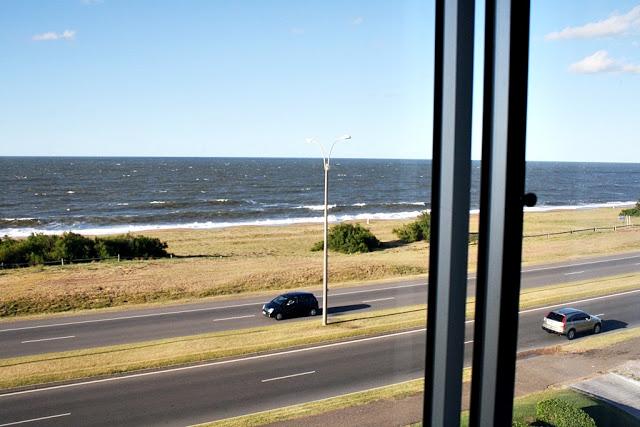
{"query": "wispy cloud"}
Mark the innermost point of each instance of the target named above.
(358, 20)
(601, 62)
(297, 31)
(91, 2)
(615, 25)
(49, 36)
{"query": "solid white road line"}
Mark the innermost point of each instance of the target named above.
(468, 342)
(581, 264)
(379, 299)
(378, 289)
(288, 376)
(35, 419)
(138, 316)
(217, 363)
(269, 355)
(600, 315)
(49, 339)
(580, 301)
(574, 272)
(233, 318)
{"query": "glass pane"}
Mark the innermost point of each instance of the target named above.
(581, 241)
(164, 213)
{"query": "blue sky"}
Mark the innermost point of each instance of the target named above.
(256, 78)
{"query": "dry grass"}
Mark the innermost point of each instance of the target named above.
(257, 259)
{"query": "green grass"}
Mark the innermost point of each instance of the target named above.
(604, 414)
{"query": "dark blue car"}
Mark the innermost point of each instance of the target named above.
(292, 304)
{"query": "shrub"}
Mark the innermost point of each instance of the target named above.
(518, 423)
(74, 246)
(41, 248)
(634, 211)
(348, 239)
(559, 413)
(420, 229)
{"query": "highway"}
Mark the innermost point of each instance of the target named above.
(192, 394)
(27, 337)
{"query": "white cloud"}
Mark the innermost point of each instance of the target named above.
(358, 20)
(601, 62)
(297, 31)
(65, 35)
(613, 26)
(92, 2)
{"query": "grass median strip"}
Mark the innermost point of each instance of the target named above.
(43, 368)
(70, 365)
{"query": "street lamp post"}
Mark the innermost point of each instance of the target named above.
(325, 264)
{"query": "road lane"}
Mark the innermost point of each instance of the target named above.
(215, 390)
(94, 330)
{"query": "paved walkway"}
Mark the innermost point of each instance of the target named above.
(620, 388)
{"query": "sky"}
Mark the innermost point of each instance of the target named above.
(257, 78)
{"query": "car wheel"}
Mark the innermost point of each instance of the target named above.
(313, 312)
(571, 334)
(279, 316)
(597, 328)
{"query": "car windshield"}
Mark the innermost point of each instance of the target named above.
(279, 300)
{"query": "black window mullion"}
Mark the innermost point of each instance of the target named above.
(501, 204)
(450, 211)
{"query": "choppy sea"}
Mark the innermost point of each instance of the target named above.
(114, 195)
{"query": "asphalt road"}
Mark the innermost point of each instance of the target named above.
(21, 338)
(210, 391)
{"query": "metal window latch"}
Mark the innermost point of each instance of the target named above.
(529, 200)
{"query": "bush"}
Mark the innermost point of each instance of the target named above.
(635, 211)
(559, 413)
(420, 229)
(41, 248)
(349, 239)
(73, 246)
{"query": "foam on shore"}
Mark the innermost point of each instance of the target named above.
(125, 228)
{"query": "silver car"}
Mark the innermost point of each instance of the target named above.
(570, 321)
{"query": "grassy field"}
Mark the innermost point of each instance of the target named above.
(257, 259)
(49, 367)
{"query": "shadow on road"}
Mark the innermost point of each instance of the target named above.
(612, 325)
(377, 316)
(346, 308)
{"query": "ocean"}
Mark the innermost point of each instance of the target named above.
(117, 195)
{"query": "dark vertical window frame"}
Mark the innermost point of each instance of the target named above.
(501, 211)
(450, 211)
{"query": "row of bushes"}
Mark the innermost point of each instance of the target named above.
(41, 248)
(634, 211)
